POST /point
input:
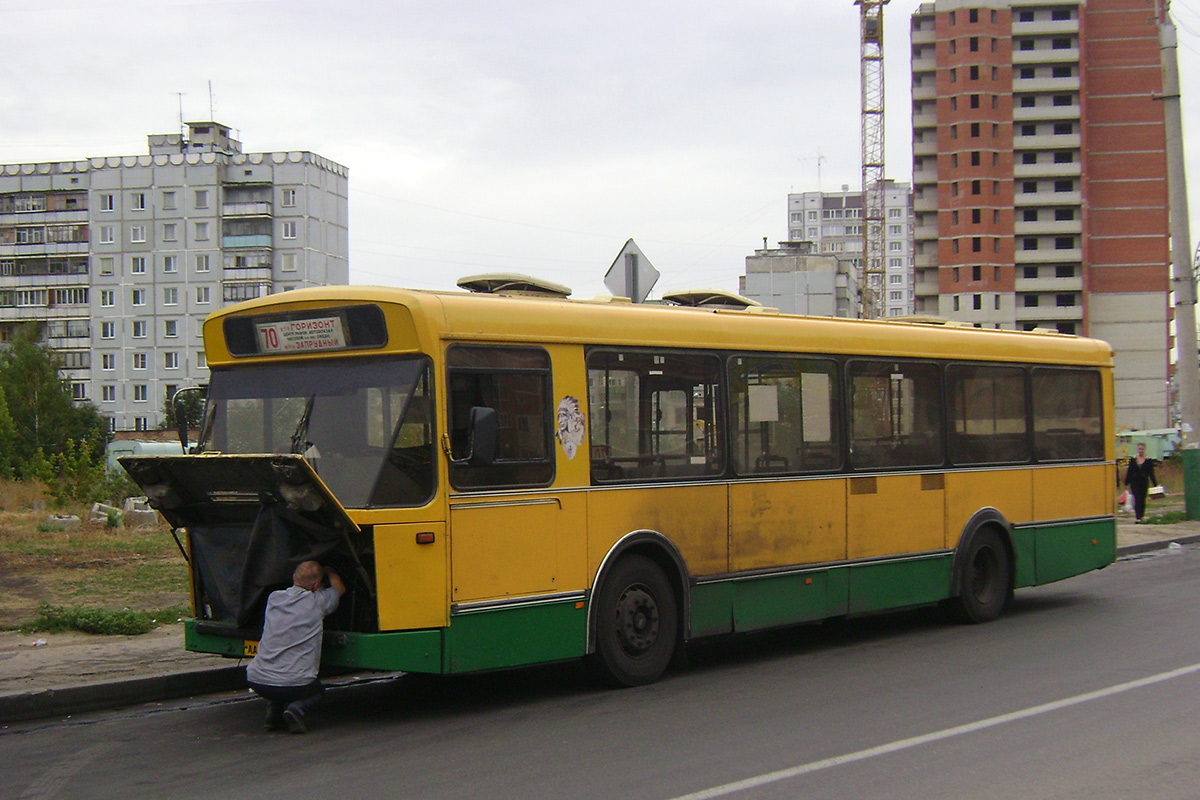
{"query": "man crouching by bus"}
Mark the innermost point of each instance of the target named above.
(284, 671)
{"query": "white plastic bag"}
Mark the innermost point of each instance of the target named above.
(1129, 502)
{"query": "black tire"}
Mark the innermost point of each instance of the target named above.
(985, 584)
(637, 623)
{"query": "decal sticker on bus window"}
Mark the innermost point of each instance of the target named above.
(571, 425)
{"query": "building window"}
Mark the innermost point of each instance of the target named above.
(170, 263)
(1064, 242)
(1062, 43)
(974, 130)
(289, 198)
(106, 265)
(1064, 186)
(108, 330)
(202, 262)
(137, 233)
(1029, 272)
(168, 201)
(139, 329)
(107, 235)
(1063, 128)
(139, 396)
(137, 265)
(139, 360)
(170, 295)
(975, 72)
(202, 294)
(977, 302)
(139, 297)
(201, 359)
(139, 423)
(287, 261)
(202, 198)
(1029, 215)
(108, 298)
(169, 234)
(1029, 243)
(137, 201)
(108, 361)
(170, 360)
(107, 203)
(108, 394)
(170, 329)
(289, 230)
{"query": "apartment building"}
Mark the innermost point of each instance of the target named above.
(796, 279)
(1040, 177)
(121, 258)
(833, 222)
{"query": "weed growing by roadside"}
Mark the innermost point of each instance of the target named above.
(1165, 518)
(56, 619)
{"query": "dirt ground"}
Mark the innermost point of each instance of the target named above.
(91, 565)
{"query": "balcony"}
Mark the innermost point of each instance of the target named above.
(1069, 169)
(1060, 285)
(1047, 255)
(1047, 198)
(1045, 27)
(1047, 141)
(1048, 227)
(247, 274)
(1049, 313)
(926, 91)
(1046, 113)
(257, 209)
(1048, 85)
(1045, 55)
(925, 148)
(252, 240)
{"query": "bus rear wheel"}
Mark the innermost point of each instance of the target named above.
(985, 585)
(637, 623)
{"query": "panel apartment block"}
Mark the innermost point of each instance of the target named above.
(120, 259)
(832, 221)
(1039, 178)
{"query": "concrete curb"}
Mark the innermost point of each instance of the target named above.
(45, 703)
(70, 700)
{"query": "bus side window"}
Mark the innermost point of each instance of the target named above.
(785, 415)
(1068, 422)
(988, 420)
(654, 415)
(895, 414)
(516, 383)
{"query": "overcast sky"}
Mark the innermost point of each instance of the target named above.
(533, 136)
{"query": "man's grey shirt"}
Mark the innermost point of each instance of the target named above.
(290, 651)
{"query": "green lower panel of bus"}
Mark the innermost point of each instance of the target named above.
(754, 603)
(1048, 553)
(494, 638)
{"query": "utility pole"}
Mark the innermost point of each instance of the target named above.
(1183, 280)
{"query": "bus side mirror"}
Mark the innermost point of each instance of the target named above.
(481, 436)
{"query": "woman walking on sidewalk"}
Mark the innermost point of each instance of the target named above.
(1139, 477)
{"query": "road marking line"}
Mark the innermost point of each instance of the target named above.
(916, 741)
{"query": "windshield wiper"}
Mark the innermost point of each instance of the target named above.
(300, 442)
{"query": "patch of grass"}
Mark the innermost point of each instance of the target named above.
(56, 619)
(1165, 518)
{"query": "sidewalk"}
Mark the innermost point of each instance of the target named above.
(60, 674)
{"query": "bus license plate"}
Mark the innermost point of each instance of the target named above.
(249, 648)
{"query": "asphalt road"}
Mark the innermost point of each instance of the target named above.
(1086, 689)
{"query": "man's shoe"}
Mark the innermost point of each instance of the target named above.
(274, 721)
(294, 718)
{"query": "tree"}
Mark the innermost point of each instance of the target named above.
(43, 416)
(191, 401)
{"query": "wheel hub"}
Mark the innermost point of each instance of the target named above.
(637, 620)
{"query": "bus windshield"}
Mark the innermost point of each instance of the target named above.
(364, 424)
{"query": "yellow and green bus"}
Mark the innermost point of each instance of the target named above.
(507, 480)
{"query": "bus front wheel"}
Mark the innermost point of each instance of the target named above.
(986, 584)
(637, 623)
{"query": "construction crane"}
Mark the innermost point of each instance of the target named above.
(872, 264)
